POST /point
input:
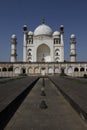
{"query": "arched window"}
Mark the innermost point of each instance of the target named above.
(30, 41)
(76, 69)
(29, 49)
(29, 53)
(57, 59)
(29, 59)
(56, 53)
(56, 41)
(4, 69)
(57, 50)
(82, 69)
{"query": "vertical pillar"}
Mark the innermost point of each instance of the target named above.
(13, 48)
(62, 42)
(25, 44)
(73, 48)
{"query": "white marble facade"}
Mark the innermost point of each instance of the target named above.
(43, 54)
(43, 45)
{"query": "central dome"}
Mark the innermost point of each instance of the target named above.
(43, 30)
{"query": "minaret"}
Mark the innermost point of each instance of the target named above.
(25, 43)
(73, 48)
(61, 32)
(62, 42)
(13, 48)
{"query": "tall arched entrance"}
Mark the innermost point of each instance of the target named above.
(43, 53)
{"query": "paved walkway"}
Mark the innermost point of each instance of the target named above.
(58, 116)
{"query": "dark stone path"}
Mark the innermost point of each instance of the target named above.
(58, 115)
(12, 94)
(75, 90)
(10, 90)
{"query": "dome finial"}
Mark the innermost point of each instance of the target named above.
(43, 20)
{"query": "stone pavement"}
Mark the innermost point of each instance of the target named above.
(12, 94)
(11, 89)
(75, 90)
(58, 115)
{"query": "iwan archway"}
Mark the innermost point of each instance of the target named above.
(43, 53)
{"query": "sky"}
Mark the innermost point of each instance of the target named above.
(16, 13)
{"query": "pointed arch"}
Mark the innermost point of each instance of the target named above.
(43, 51)
(76, 69)
(82, 69)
